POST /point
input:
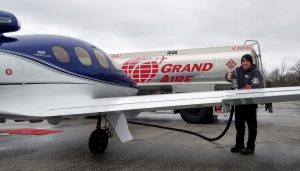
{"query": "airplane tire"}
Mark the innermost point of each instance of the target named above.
(197, 115)
(98, 141)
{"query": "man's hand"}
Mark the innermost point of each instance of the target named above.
(229, 76)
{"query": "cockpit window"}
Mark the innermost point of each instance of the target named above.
(83, 56)
(61, 54)
(101, 58)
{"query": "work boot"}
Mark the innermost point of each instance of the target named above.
(236, 149)
(247, 151)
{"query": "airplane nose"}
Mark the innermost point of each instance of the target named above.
(128, 80)
(117, 77)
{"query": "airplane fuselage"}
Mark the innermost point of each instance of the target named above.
(48, 70)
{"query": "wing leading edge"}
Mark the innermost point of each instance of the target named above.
(177, 101)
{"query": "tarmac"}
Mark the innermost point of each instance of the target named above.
(277, 147)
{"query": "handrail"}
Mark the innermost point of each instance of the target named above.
(255, 42)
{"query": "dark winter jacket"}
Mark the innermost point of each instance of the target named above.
(252, 77)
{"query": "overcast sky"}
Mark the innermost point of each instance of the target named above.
(146, 25)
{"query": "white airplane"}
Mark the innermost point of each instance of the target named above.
(55, 77)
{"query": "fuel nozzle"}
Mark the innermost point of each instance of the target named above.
(234, 83)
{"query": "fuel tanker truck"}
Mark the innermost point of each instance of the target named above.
(186, 70)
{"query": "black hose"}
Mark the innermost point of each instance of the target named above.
(190, 132)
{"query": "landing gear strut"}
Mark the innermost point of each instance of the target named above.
(99, 139)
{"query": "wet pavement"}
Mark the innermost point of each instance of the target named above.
(277, 148)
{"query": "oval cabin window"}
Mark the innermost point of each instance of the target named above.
(61, 54)
(101, 58)
(83, 56)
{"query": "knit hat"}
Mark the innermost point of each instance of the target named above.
(247, 57)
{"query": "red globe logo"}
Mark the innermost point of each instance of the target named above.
(142, 69)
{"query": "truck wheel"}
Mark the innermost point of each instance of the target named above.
(197, 115)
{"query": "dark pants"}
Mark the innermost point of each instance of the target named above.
(246, 113)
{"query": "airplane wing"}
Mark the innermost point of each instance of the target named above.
(177, 101)
(114, 107)
(159, 102)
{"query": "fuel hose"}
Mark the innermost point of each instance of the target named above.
(190, 132)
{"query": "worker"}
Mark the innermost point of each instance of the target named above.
(248, 77)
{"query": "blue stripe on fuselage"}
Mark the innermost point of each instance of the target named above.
(29, 47)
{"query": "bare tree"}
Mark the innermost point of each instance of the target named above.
(284, 77)
(274, 78)
(296, 73)
(296, 68)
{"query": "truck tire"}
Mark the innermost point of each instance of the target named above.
(197, 115)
